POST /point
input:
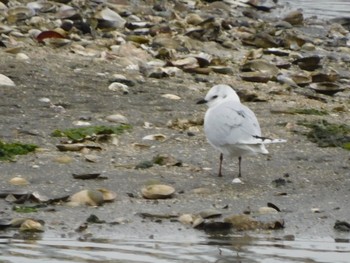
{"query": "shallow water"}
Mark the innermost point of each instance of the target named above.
(321, 8)
(219, 250)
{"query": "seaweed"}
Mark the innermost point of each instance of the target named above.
(327, 134)
(310, 112)
(9, 150)
(81, 133)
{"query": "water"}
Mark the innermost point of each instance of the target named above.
(322, 8)
(219, 250)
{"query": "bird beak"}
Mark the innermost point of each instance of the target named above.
(202, 101)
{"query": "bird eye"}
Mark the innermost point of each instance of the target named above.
(214, 97)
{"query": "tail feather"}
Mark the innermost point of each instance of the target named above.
(265, 140)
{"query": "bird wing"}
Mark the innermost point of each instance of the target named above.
(232, 123)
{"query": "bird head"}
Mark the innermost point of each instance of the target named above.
(217, 94)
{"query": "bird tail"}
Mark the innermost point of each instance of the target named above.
(265, 140)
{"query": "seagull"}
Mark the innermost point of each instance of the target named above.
(231, 127)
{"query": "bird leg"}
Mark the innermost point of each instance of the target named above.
(221, 158)
(239, 166)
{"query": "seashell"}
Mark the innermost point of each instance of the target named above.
(108, 196)
(6, 81)
(4, 223)
(154, 137)
(42, 6)
(141, 146)
(57, 42)
(13, 50)
(30, 225)
(330, 76)
(189, 62)
(197, 221)
(256, 77)
(39, 197)
(49, 34)
(293, 41)
(221, 69)
(138, 24)
(186, 219)
(165, 159)
(193, 19)
(157, 191)
(92, 158)
(81, 123)
(308, 47)
(18, 181)
(327, 88)
(108, 19)
(267, 210)
(204, 71)
(15, 192)
(276, 51)
(242, 222)
(261, 40)
(203, 59)
(86, 176)
(301, 78)
(262, 5)
(71, 147)
(237, 181)
(260, 65)
(209, 213)
(87, 197)
(308, 63)
(19, 13)
(171, 96)
(138, 39)
(22, 56)
(119, 87)
(118, 118)
(4, 29)
(122, 79)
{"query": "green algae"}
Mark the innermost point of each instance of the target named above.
(81, 133)
(9, 150)
(327, 134)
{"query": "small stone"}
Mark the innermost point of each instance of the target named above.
(18, 181)
(118, 118)
(157, 191)
(64, 159)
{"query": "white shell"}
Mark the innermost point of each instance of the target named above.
(171, 96)
(6, 81)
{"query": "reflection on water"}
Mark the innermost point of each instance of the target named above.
(321, 8)
(218, 250)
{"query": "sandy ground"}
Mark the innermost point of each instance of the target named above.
(316, 195)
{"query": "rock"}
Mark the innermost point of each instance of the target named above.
(295, 17)
(342, 226)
